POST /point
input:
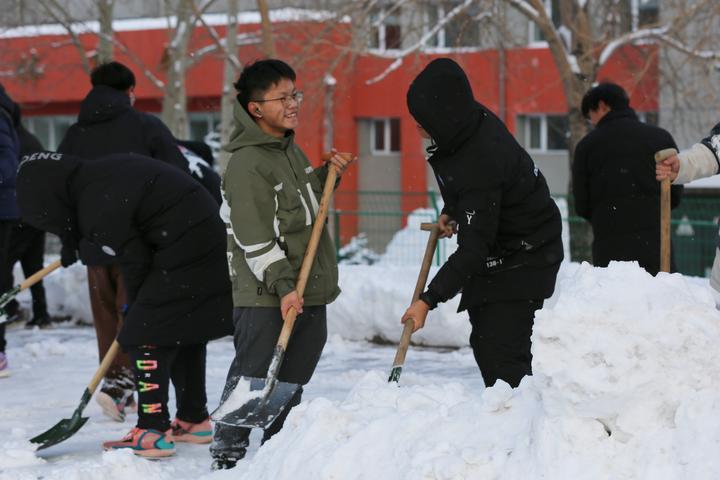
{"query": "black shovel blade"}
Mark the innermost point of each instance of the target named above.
(251, 404)
(64, 429)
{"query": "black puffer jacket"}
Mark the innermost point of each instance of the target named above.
(509, 244)
(108, 124)
(615, 189)
(160, 225)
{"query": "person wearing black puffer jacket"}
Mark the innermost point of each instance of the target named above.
(614, 183)
(163, 229)
(109, 124)
(508, 226)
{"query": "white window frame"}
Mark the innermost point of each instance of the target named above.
(382, 13)
(543, 134)
(441, 35)
(533, 28)
(54, 138)
(386, 147)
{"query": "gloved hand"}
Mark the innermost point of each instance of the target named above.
(68, 255)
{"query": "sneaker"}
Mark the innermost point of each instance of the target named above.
(116, 394)
(145, 443)
(225, 462)
(4, 366)
(40, 322)
(192, 432)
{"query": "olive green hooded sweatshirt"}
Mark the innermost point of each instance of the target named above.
(271, 196)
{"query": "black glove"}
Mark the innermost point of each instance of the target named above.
(68, 255)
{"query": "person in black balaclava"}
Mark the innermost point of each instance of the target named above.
(508, 226)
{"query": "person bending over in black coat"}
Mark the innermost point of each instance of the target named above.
(164, 231)
(509, 244)
(614, 183)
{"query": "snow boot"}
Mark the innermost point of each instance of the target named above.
(145, 443)
(226, 462)
(4, 366)
(192, 432)
(116, 394)
(40, 322)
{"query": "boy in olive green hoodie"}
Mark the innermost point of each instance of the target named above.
(271, 196)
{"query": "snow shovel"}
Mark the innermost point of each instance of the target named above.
(665, 212)
(256, 402)
(419, 286)
(29, 282)
(67, 427)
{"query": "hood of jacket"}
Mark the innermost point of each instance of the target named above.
(102, 104)
(247, 133)
(441, 101)
(44, 192)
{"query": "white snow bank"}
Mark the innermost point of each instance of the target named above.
(616, 351)
(374, 299)
(17, 451)
(66, 291)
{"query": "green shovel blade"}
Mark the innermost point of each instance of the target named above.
(65, 428)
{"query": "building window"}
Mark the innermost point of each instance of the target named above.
(462, 31)
(535, 34)
(385, 136)
(202, 124)
(545, 133)
(648, 12)
(385, 30)
(651, 118)
(49, 129)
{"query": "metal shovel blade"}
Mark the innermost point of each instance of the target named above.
(253, 404)
(63, 430)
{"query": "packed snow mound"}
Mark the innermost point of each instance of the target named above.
(626, 386)
(374, 299)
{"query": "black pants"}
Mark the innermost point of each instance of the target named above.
(154, 367)
(500, 339)
(27, 246)
(6, 280)
(256, 333)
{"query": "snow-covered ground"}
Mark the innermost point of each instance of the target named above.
(626, 386)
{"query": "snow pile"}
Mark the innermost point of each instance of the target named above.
(407, 246)
(66, 290)
(17, 451)
(626, 385)
(374, 299)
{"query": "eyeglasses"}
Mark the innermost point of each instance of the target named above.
(296, 96)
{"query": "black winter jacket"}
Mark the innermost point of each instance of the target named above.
(160, 225)
(9, 157)
(509, 242)
(615, 189)
(108, 124)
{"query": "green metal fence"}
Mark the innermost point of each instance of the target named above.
(379, 219)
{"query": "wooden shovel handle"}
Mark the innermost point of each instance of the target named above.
(104, 365)
(665, 212)
(39, 275)
(289, 320)
(419, 286)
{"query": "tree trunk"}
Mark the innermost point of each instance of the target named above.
(230, 74)
(268, 43)
(105, 14)
(174, 111)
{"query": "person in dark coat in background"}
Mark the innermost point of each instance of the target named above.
(108, 124)
(614, 184)
(509, 243)
(164, 231)
(28, 243)
(9, 153)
